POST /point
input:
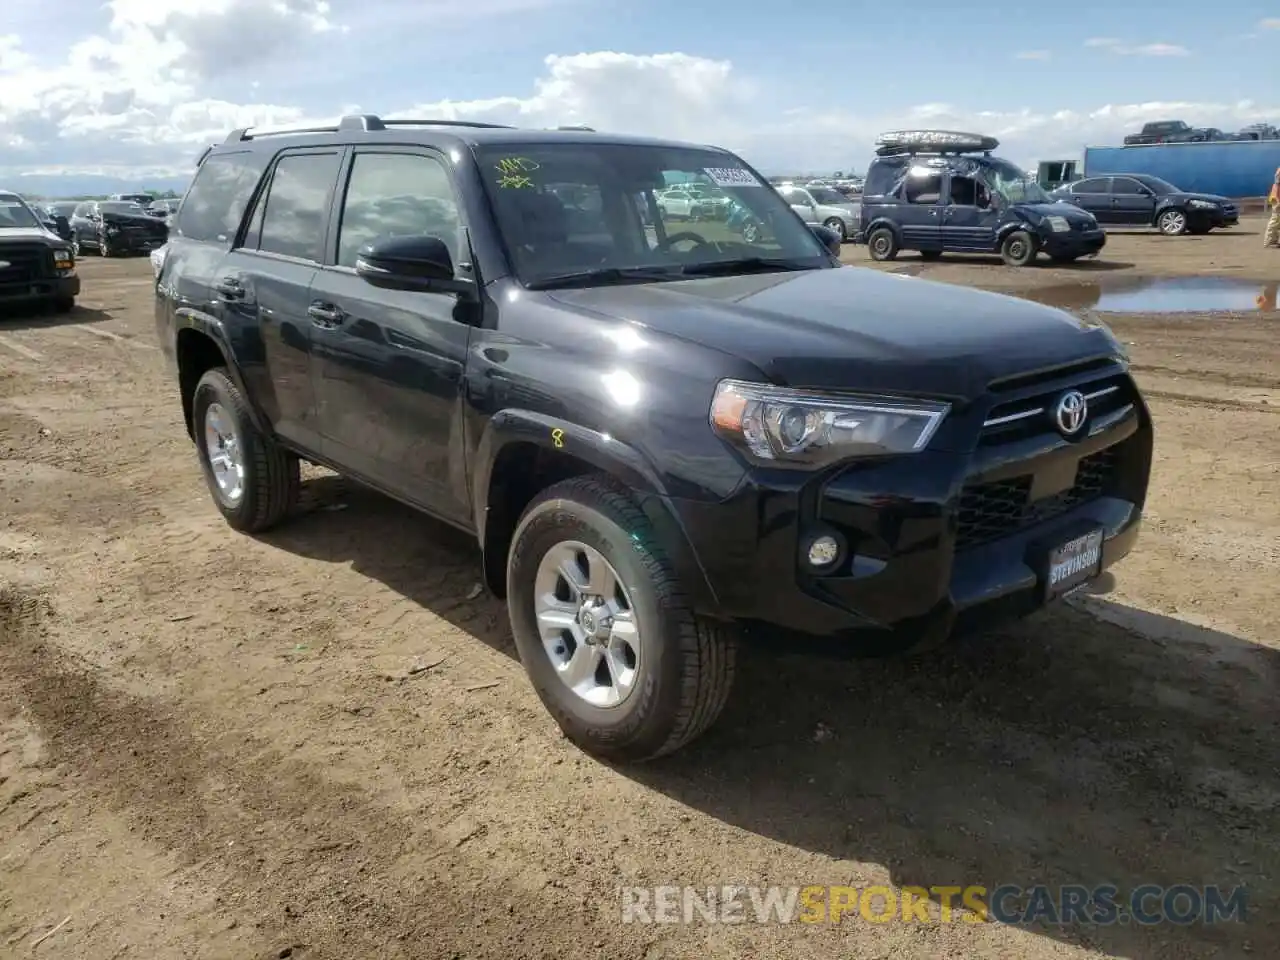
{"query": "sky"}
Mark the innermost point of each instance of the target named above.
(137, 88)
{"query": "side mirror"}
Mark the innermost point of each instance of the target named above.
(419, 262)
(830, 239)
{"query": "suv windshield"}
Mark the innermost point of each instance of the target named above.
(15, 213)
(601, 211)
(119, 206)
(1014, 184)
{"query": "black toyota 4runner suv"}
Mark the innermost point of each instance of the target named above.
(662, 437)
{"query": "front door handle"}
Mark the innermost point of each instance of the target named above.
(326, 314)
(230, 288)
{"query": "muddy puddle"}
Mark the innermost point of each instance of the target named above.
(1162, 295)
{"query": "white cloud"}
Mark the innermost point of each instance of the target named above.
(1033, 55)
(137, 99)
(1269, 23)
(1117, 46)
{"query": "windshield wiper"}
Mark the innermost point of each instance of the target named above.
(744, 265)
(603, 275)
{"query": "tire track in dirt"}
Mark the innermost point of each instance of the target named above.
(333, 885)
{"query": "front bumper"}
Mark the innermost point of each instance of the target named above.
(934, 543)
(1223, 217)
(40, 289)
(1079, 243)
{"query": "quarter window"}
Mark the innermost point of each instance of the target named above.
(218, 197)
(395, 195)
(297, 205)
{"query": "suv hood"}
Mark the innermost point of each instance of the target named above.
(28, 234)
(856, 329)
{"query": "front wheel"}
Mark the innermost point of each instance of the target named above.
(1018, 249)
(1172, 223)
(604, 630)
(836, 224)
(882, 244)
(254, 481)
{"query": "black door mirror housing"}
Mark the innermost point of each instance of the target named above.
(830, 239)
(417, 262)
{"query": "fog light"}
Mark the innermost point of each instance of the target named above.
(823, 551)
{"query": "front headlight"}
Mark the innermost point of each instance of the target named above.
(63, 259)
(799, 426)
(1058, 224)
(1201, 204)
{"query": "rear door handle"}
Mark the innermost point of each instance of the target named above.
(230, 288)
(326, 314)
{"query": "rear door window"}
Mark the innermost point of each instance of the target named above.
(297, 205)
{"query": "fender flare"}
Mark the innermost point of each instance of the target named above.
(216, 332)
(882, 221)
(610, 456)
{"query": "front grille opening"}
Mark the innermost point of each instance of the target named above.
(989, 511)
(24, 263)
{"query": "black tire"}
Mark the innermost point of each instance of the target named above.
(1018, 249)
(882, 244)
(271, 473)
(1172, 223)
(687, 663)
(1064, 258)
(836, 224)
(64, 304)
(931, 255)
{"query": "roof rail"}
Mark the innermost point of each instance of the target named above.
(357, 121)
(578, 126)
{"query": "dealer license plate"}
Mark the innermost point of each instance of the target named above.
(1074, 563)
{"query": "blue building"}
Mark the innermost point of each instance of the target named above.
(1236, 169)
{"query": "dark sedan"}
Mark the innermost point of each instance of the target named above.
(116, 228)
(1141, 200)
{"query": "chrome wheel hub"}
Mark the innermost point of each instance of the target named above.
(587, 624)
(226, 456)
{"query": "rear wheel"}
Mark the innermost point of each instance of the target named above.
(836, 224)
(882, 244)
(604, 630)
(254, 481)
(1172, 223)
(1018, 249)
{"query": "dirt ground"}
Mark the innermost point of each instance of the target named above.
(318, 743)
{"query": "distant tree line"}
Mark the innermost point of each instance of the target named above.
(158, 194)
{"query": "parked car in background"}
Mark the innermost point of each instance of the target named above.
(143, 200)
(165, 209)
(825, 206)
(36, 265)
(56, 217)
(1258, 131)
(926, 191)
(1141, 200)
(1171, 131)
(682, 203)
(116, 228)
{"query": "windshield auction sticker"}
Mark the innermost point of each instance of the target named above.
(730, 177)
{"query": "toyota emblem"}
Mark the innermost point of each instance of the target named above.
(1071, 411)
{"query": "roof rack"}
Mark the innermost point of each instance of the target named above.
(365, 122)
